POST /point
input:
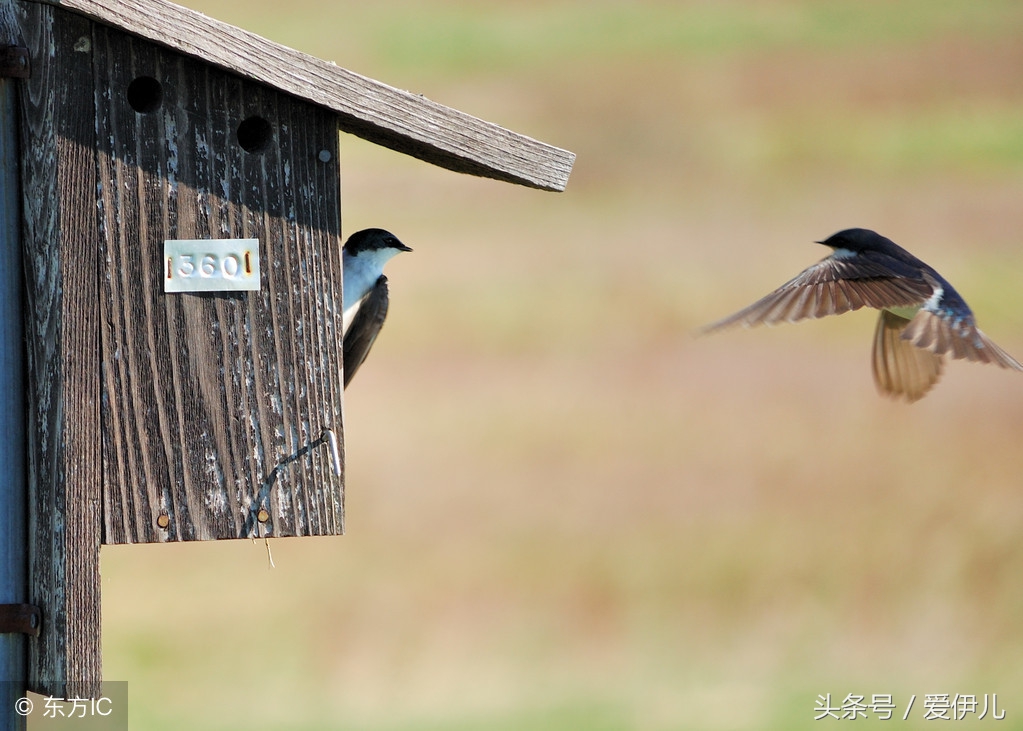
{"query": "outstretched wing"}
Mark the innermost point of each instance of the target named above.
(832, 286)
(902, 370)
(364, 328)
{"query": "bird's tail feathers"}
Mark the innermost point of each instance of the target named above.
(931, 332)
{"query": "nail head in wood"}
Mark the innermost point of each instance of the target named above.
(24, 618)
(14, 62)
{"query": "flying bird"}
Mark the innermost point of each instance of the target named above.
(922, 320)
(364, 292)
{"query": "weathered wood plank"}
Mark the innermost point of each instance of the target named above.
(400, 120)
(215, 403)
(13, 483)
(62, 332)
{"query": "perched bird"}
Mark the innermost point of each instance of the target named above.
(365, 292)
(922, 317)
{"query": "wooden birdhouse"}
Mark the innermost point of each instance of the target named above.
(181, 235)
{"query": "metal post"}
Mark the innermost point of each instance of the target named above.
(13, 516)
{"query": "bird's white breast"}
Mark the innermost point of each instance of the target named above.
(360, 274)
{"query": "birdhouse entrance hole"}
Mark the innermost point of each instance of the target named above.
(145, 94)
(255, 134)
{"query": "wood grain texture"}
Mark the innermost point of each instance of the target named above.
(215, 405)
(62, 339)
(397, 119)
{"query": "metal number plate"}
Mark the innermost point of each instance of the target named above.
(210, 265)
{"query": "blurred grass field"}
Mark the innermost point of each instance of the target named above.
(565, 511)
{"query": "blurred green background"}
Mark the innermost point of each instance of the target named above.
(564, 511)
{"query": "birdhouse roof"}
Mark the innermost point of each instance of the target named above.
(400, 120)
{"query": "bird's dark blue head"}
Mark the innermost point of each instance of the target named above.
(373, 239)
(862, 239)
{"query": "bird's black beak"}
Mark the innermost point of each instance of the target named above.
(402, 247)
